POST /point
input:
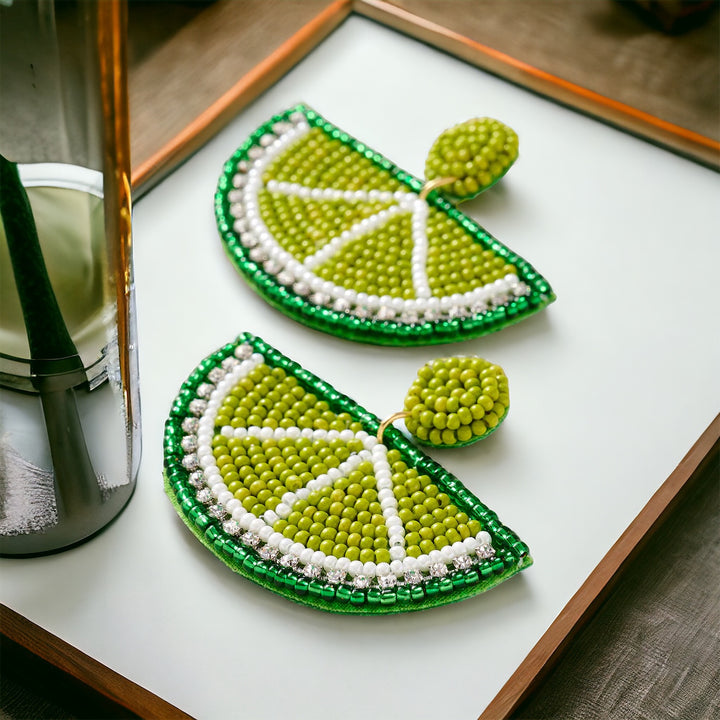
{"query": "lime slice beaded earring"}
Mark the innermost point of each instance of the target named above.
(454, 402)
(337, 237)
(283, 478)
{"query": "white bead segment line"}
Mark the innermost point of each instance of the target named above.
(420, 249)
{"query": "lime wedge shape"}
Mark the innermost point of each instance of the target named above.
(337, 237)
(283, 478)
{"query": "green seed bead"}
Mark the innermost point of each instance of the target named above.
(383, 556)
(427, 546)
(352, 553)
(412, 538)
(367, 555)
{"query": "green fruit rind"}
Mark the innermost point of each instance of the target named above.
(456, 401)
(477, 153)
(204, 487)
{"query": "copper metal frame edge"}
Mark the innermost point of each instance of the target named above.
(87, 670)
(599, 584)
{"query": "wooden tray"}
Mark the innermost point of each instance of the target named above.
(169, 124)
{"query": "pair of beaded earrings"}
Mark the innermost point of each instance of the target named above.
(288, 481)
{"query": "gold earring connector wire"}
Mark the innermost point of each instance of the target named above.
(434, 184)
(388, 421)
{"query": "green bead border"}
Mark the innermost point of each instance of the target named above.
(512, 554)
(363, 330)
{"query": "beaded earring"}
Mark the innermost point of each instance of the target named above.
(454, 402)
(284, 479)
(336, 236)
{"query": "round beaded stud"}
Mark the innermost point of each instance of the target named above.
(454, 401)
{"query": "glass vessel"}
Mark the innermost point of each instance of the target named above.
(69, 403)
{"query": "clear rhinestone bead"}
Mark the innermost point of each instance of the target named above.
(243, 352)
(232, 527)
(249, 240)
(204, 495)
(230, 363)
(285, 278)
(239, 180)
(463, 562)
(385, 313)
(267, 140)
(190, 424)
(191, 462)
(205, 390)
(258, 254)
(271, 266)
(237, 210)
(197, 479)
(281, 127)
(409, 317)
(413, 577)
(288, 561)
(197, 406)
(216, 375)
(251, 539)
(361, 581)
(268, 552)
(485, 551)
(360, 311)
(217, 511)
(243, 166)
(319, 298)
(438, 570)
(335, 576)
(387, 581)
(312, 571)
(255, 152)
(431, 315)
(189, 443)
(341, 305)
